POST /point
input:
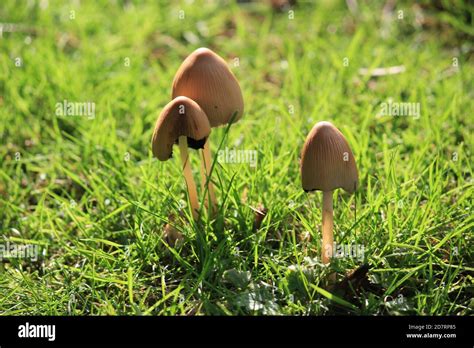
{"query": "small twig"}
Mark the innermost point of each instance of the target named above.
(392, 70)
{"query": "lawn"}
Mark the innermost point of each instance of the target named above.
(85, 194)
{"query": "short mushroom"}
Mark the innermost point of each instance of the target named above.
(205, 78)
(182, 121)
(327, 163)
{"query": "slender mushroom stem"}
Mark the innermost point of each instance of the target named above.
(328, 236)
(188, 176)
(206, 175)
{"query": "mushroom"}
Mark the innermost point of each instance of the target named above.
(205, 78)
(182, 121)
(327, 163)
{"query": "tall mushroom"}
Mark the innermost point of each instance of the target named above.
(205, 78)
(182, 121)
(327, 163)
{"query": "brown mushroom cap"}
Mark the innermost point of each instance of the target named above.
(205, 78)
(327, 162)
(180, 117)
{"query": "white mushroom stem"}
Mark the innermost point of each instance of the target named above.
(206, 175)
(328, 237)
(188, 176)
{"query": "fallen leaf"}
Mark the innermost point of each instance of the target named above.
(172, 236)
(260, 213)
(239, 279)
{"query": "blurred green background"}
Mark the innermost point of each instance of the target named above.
(88, 193)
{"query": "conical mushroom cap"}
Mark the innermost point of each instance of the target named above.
(327, 162)
(205, 78)
(180, 117)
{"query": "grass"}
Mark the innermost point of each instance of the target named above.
(89, 194)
